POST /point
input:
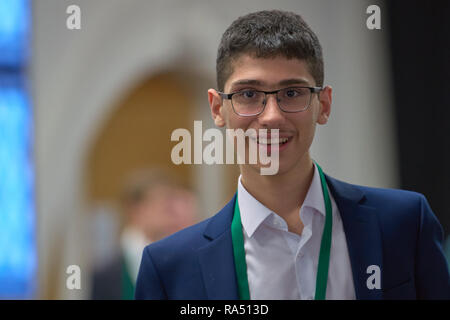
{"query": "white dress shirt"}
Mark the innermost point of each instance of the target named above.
(282, 264)
(133, 242)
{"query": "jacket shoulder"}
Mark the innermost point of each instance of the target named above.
(182, 242)
(168, 263)
(396, 209)
(381, 198)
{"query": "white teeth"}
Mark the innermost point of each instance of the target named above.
(273, 140)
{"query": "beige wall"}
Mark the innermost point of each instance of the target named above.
(137, 134)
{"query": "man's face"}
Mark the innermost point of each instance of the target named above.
(268, 75)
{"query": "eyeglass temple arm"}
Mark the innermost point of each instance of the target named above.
(225, 95)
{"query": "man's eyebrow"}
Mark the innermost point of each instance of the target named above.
(247, 82)
(289, 82)
(286, 82)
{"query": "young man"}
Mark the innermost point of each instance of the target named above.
(298, 234)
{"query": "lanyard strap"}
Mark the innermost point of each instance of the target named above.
(239, 254)
(324, 255)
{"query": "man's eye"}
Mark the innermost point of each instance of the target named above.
(292, 93)
(296, 93)
(248, 94)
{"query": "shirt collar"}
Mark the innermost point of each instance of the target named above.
(253, 212)
(314, 197)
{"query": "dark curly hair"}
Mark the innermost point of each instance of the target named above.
(268, 34)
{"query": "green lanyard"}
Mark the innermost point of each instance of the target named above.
(324, 255)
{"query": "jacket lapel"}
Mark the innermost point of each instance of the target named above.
(363, 236)
(216, 258)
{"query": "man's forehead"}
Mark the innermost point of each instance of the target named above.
(269, 72)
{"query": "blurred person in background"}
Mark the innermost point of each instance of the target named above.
(155, 205)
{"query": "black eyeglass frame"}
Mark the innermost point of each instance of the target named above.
(228, 96)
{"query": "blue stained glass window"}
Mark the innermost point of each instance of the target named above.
(17, 258)
(14, 24)
(18, 261)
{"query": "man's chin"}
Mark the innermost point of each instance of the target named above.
(267, 170)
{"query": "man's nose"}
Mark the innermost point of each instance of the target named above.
(272, 116)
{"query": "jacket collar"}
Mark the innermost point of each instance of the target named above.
(363, 235)
(220, 222)
(216, 258)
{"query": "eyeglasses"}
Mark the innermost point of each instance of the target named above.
(249, 102)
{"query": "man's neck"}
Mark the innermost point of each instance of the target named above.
(282, 193)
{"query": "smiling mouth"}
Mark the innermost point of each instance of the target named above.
(269, 141)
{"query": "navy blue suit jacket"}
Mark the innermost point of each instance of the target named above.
(393, 229)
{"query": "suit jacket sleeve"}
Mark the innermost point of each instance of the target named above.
(432, 273)
(148, 285)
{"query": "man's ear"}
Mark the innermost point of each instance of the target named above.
(325, 98)
(215, 104)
